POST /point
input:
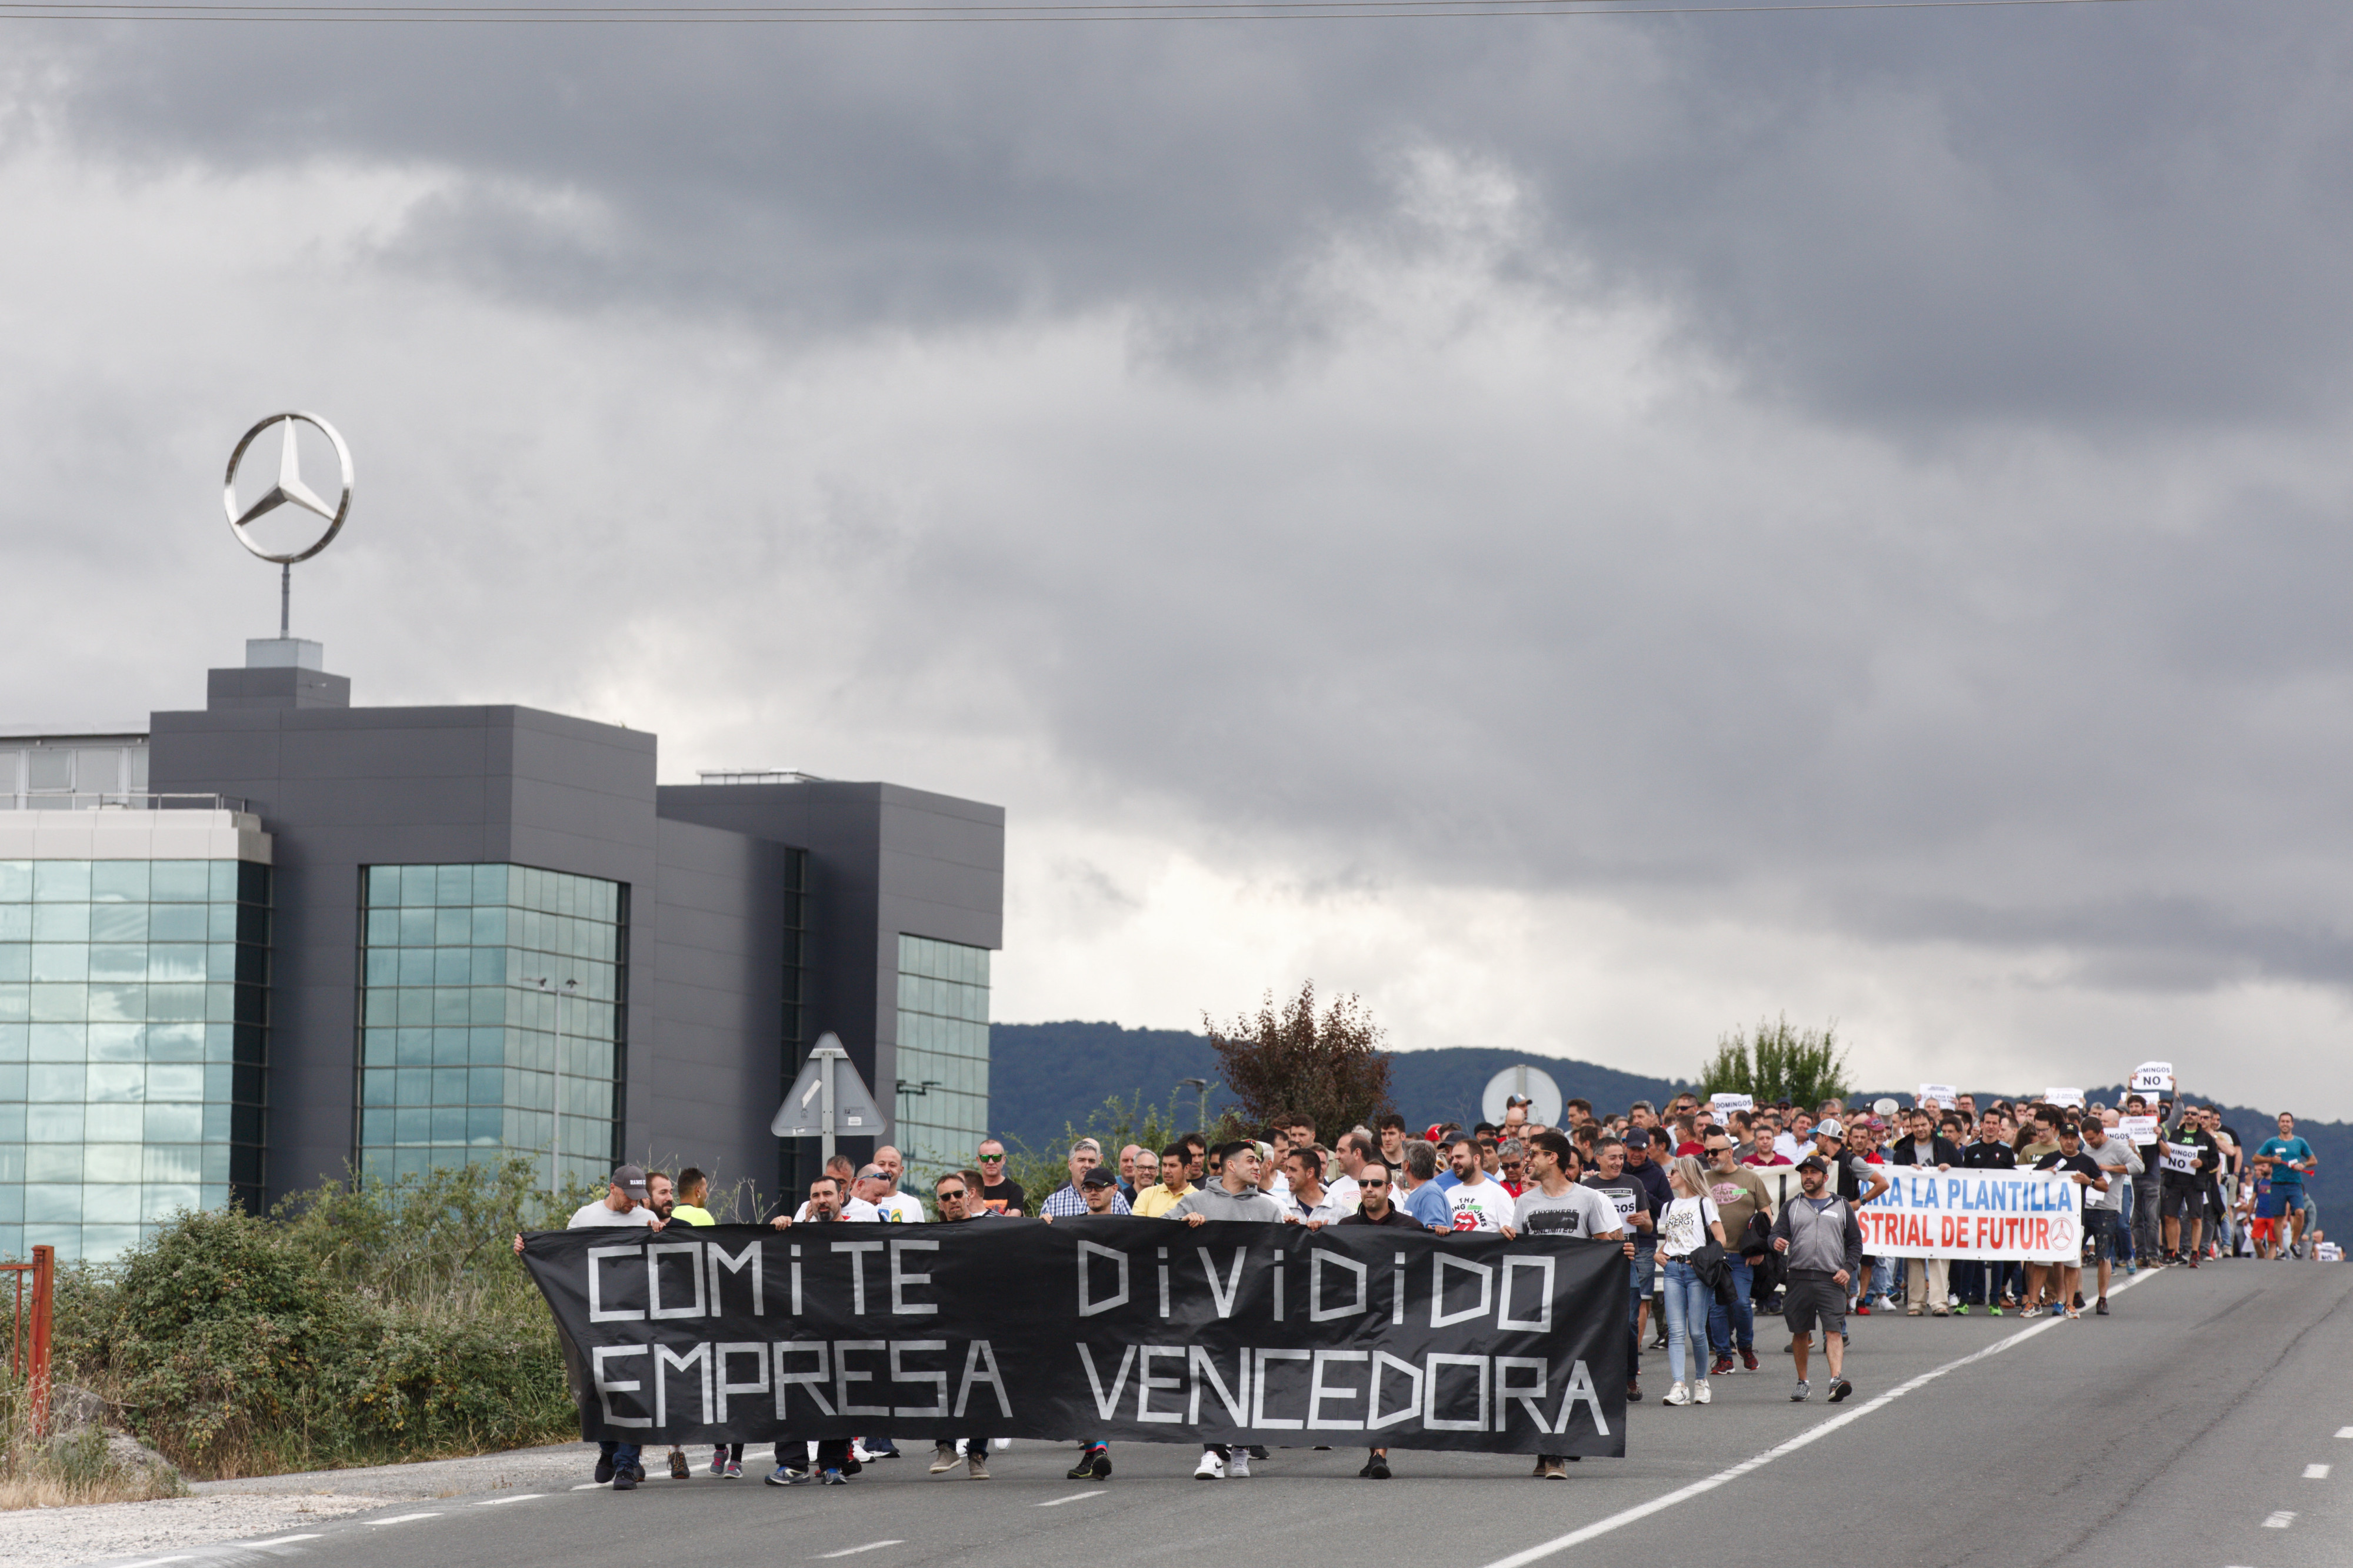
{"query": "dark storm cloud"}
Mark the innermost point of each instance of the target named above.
(2105, 217)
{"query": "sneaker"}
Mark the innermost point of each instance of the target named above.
(625, 1481)
(638, 1474)
(782, 1476)
(1085, 1470)
(1962, 1310)
(1803, 1392)
(1702, 1393)
(1748, 1358)
(2060, 1309)
(1862, 1309)
(881, 1448)
(1238, 1467)
(944, 1459)
(833, 1479)
(2100, 1307)
(1538, 1473)
(604, 1468)
(1257, 1451)
(976, 1465)
(1553, 1470)
(1211, 1468)
(1376, 1468)
(1678, 1394)
(719, 1461)
(2072, 1314)
(1839, 1389)
(1723, 1364)
(1633, 1391)
(734, 1470)
(1994, 1311)
(2131, 1268)
(2077, 1302)
(678, 1466)
(1103, 1463)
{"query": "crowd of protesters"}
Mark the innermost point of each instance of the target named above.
(1722, 1219)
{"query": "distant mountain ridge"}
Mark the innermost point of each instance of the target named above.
(1044, 1077)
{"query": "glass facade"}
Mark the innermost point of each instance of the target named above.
(66, 773)
(942, 1089)
(462, 1003)
(134, 1011)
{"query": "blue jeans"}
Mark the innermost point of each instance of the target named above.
(1738, 1321)
(623, 1455)
(1688, 1301)
(1638, 1291)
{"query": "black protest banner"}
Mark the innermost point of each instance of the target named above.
(1139, 1330)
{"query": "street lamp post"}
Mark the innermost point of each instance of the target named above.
(548, 985)
(1201, 1084)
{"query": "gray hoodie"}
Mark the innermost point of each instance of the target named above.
(1213, 1202)
(1822, 1241)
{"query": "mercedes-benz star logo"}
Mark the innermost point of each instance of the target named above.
(290, 489)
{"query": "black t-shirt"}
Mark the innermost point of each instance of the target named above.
(1396, 1216)
(2084, 1164)
(1004, 1197)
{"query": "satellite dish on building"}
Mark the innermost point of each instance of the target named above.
(1535, 1083)
(828, 1098)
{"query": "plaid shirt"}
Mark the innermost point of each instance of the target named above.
(1066, 1199)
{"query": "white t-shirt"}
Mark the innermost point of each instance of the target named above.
(1684, 1225)
(1486, 1206)
(900, 1208)
(596, 1214)
(854, 1209)
(1344, 1195)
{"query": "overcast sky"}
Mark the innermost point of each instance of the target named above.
(1582, 532)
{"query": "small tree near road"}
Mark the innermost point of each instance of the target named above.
(1779, 1063)
(1330, 1070)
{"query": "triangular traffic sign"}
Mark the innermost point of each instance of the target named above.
(802, 1115)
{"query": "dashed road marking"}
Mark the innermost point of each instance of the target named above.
(402, 1519)
(2281, 1520)
(285, 1540)
(1074, 1497)
(2316, 1472)
(2344, 1431)
(519, 1497)
(854, 1551)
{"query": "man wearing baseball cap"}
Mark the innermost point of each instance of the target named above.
(626, 1202)
(1819, 1234)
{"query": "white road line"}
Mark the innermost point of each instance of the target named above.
(2344, 1431)
(2316, 1472)
(154, 1561)
(284, 1540)
(589, 1486)
(519, 1497)
(854, 1551)
(2281, 1520)
(1074, 1497)
(401, 1519)
(1601, 1527)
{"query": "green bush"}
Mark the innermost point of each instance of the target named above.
(355, 1325)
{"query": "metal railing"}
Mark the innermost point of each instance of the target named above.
(28, 1354)
(115, 800)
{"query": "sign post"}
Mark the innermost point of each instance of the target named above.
(828, 1097)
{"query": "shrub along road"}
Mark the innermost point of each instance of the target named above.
(2210, 1421)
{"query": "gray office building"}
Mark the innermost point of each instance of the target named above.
(281, 938)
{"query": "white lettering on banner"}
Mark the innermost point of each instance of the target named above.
(1223, 1294)
(1317, 1312)
(1374, 1419)
(1506, 1391)
(900, 1281)
(2007, 1216)
(1318, 1392)
(938, 1380)
(2063, 1096)
(654, 1255)
(1088, 1305)
(1542, 1322)
(1259, 1417)
(1107, 1405)
(1581, 1390)
(812, 1383)
(858, 1251)
(753, 1347)
(1199, 1368)
(1724, 1104)
(597, 1311)
(1430, 1419)
(606, 1387)
(2141, 1130)
(1439, 1264)
(982, 1351)
(666, 1359)
(2153, 1078)
(2181, 1159)
(748, 1258)
(843, 1376)
(1145, 1382)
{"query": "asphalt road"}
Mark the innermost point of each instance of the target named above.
(2208, 1424)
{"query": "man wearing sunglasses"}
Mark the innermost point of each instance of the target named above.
(1373, 1208)
(996, 1191)
(953, 1192)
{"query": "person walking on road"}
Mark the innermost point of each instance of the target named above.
(1689, 1221)
(1235, 1195)
(1373, 1208)
(2292, 1160)
(627, 1203)
(954, 1197)
(1819, 1235)
(2103, 1214)
(1741, 1198)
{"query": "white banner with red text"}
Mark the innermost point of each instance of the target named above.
(2030, 1216)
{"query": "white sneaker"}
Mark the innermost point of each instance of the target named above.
(1702, 1393)
(1678, 1394)
(1238, 1466)
(1211, 1468)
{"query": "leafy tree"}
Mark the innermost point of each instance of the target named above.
(1776, 1063)
(1330, 1068)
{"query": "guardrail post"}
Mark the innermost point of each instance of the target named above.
(45, 1272)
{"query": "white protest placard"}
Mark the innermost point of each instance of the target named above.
(2140, 1130)
(2062, 1097)
(2153, 1078)
(1725, 1104)
(2032, 1217)
(1942, 1095)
